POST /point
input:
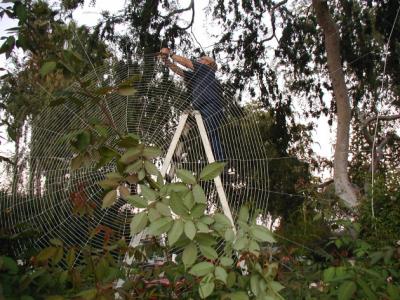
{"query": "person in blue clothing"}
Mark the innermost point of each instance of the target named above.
(205, 91)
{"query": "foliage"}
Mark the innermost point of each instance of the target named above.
(384, 225)
(351, 269)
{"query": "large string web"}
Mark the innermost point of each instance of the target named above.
(47, 203)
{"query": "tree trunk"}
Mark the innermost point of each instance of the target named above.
(343, 186)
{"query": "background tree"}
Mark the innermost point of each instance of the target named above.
(302, 53)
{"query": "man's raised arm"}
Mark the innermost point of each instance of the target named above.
(174, 67)
(182, 61)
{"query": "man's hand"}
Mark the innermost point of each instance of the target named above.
(164, 51)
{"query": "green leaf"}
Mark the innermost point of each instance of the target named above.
(129, 140)
(222, 219)
(202, 269)
(150, 168)
(135, 167)
(56, 242)
(346, 290)
(108, 184)
(151, 152)
(8, 45)
(207, 220)
(46, 254)
(190, 230)
(88, 294)
(254, 247)
(9, 264)
(189, 255)
(262, 234)
(230, 282)
(188, 200)
(160, 226)
(275, 286)
(178, 187)
(164, 209)
(175, 232)
(21, 12)
(131, 155)
(201, 227)
(70, 259)
(254, 284)
(114, 176)
(109, 199)
(212, 170)
(177, 205)
(240, 243)
(47, 68)
(329, 274)
(126, 91)
(82, 141)
(139, 222)
(244, 214)
(198, 194)
(206, 286)
(198, 210)
(240, 296)
(186, 176)
(367, 290)
(58, 255)
(229, 235)
(393, 292)
(154, 214)
(148, 193)
(136, 201)
(208, 252)
(205, 239)
(221, 274)
(226, 261)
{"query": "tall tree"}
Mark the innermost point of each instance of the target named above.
(343, 186)
(354, 65)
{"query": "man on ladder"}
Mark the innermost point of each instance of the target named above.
(205, 90)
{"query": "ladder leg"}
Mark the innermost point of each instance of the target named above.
(210, 158)
(173, 144)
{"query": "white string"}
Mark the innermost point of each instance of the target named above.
(377, 118)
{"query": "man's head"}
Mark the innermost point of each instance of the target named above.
(206, 60)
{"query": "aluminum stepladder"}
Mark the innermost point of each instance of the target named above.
(135, 241)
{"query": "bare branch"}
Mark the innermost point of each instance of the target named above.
(381, 118)
(272, 14)
(325, 184)
(179, 11)
(192, 20)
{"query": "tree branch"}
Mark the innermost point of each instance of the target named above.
(380, 118)
(191, 6)
(325, 184)
(179, 11)
(272, 14)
